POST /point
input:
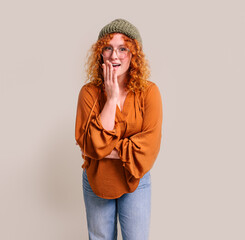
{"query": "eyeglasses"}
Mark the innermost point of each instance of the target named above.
(122, 52)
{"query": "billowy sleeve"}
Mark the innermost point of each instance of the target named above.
(95, 142)
(139, 152)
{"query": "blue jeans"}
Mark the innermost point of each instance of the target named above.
(133, 210)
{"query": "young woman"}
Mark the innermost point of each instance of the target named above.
(118, 128)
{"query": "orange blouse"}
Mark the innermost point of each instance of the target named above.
(136, 135)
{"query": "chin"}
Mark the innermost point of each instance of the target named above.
(120, 73)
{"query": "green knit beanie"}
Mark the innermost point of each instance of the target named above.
(121, 26)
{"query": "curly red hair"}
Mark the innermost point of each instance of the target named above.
(138, 72)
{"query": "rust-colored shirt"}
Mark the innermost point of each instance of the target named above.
(136, 135)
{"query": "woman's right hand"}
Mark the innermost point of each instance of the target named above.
(110, 81)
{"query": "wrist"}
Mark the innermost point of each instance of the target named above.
(112, 101)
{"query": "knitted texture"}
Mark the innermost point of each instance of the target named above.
(121, 26)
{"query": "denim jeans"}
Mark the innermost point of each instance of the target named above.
(133, 210)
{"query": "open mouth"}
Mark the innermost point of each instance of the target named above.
(116, 65)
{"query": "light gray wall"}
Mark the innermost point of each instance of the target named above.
(196, 51)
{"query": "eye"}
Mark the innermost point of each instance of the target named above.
(107, 48)
(122, 49)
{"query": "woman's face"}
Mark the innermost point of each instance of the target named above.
(116, 42)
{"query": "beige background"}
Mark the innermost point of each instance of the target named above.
(197, 55)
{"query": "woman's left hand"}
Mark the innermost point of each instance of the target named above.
(113, 154)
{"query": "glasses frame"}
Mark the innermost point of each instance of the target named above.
(116, 50)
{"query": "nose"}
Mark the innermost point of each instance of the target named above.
(114, 54)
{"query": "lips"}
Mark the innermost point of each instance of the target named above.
(116, 64)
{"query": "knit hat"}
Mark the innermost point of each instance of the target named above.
(121, 26)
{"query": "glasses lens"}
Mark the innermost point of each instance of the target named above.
(122, 52)
(107, 51)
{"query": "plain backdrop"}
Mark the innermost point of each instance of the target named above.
(197, 57)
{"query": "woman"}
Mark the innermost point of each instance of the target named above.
(118, 128)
